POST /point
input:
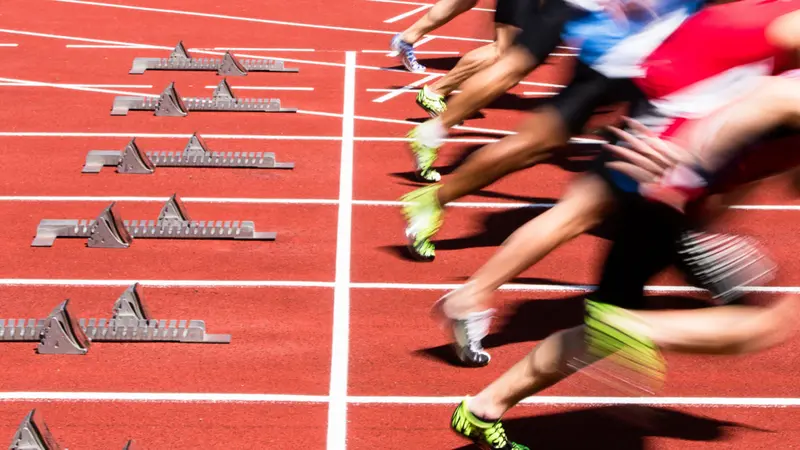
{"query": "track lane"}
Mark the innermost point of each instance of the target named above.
(278, 342)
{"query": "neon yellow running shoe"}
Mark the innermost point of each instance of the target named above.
(424, 217)
(486, 435)
(431, 102)
(634, 353)
(424, 157)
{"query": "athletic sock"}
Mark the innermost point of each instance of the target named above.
(432, 133)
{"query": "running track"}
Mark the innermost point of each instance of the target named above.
(332, 347)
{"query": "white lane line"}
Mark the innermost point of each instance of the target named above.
(418, 52)
(185, 397)
(109, 46)
(340, 346)
(256, 137)
(216, 53)
(9, 45)
(552, 288)
(256, 20)
(267, 88)
(407, 14)
(317, 201)
(428, 4)
(74, 87)
(259, 49)
(38, 84)
(404, 89)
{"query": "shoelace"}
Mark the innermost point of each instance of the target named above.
(496, 435)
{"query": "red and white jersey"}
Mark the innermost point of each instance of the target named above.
(714, 57)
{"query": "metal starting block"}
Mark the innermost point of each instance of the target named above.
(229, 65)
(196, 154)
(171, 104)
(59, 334)
(33, 434)
(109, 231)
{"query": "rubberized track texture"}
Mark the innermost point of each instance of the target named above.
(332, 346)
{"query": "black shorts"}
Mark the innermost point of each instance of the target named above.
(590, 90)
(515, 12)
(542, 26)
(644, 243)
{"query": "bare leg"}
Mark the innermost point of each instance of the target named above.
(488, 84)
(721, 330)
(543, 367)
(585, 205)
(476, 60)
(540, 132)
(442, 12)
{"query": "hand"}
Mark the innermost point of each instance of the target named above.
(662, 168)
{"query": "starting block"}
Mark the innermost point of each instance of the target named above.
(229, 65)
(109, 231)
(59, 334)
(171, 104)
(33, 434)
(196, 154)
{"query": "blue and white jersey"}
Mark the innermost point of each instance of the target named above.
(617, 49)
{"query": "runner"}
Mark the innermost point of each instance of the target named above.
(509, 18)
(611, 52)
(647, 241)
(775, 101)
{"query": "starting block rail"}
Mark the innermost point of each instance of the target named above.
(109, 231)
(132, 160)
(228, 65)
(171, 104)
(60, 334)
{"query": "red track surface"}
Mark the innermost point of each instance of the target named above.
(282, 334)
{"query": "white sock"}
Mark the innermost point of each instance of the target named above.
(432, 133)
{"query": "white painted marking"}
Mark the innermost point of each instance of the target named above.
(9, 45)
(590, 401)
(554, 288)
(267, 88)
(229, 136)
(122, 86)
(405, 88)
(317, 201)
(233, 200)
(418, 52)
(109, 46)
(255, 20)
(170, 48)
(340, 347)
(428, 4)
(258, 49)
(181, 397)
(166, 283)
(74, 87)
(424, 40)
(407, 14)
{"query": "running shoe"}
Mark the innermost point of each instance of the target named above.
(406, 53)
(486, 435)
(467, 334)
(643, 367)
(431, 102)
(424, 217)
(424, 157)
